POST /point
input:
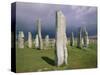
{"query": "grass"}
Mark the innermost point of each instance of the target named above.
(31, 60)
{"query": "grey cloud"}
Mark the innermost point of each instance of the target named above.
(76, 16)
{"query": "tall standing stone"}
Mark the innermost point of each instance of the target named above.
(79, 38)
(29, 39)
(21, 39)
(85, 38)
(82, 41)
(61, 49)
(39, 34)
(65, 46)
(72, 39)
(47, 42)
(36, 41)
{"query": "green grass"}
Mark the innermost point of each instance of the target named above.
(29, 60)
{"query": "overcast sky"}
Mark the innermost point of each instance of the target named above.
(76, 16)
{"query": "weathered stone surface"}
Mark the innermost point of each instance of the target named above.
(85, 38)
(21, 39)
(88, 40)
(79, 38)
(29, 39)
(36, 41)
(82, 41)
(39, 34)
(61, 49)
(72, 39)
(65, 47)
(47, 42)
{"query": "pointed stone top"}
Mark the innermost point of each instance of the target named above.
(29, 32)
(21, 34)
(38, 19)
(86, 33)
(59, 12)
(36, 36)
(47, 35)
(72, 34)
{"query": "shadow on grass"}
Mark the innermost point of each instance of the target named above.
(48, 60)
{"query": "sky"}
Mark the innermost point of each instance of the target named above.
(76, 16)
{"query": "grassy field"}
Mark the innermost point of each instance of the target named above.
(30, 60)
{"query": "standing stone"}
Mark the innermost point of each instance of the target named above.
(29, 39)
(61, 49)
(39, 34)
(47, 42)
(82, 41)
(65, 46)
(36, 41)
(72, 39)
(85, 38)
(21, 39)
(79, 38)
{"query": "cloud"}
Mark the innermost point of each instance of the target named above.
(76, 16)
(84, 14)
